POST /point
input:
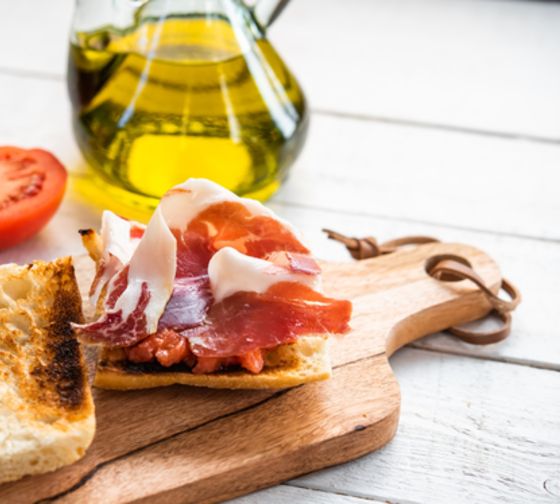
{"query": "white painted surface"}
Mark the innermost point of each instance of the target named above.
(283, 494)
(461, 180)
(472, 429)
(480, 64)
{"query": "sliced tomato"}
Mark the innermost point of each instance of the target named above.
(32, 184)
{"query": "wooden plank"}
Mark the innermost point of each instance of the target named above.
(36, 113)
(477, 64)
(34, 36)
(284, 493)
(382, 170)
(460, 180)
(471, 431)
(59, 238)
(174, 470)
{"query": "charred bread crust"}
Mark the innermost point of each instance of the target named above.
(60, 369)
(46, 409)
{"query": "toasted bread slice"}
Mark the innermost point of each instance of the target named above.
(305, 361)
(46, 409)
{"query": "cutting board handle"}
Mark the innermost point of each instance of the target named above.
(444, 268)
(415, 286)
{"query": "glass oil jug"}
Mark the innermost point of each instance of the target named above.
(164, 90)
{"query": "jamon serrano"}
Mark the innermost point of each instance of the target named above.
(247, 322)
(111, 250)
(138, 294)
(214, 282)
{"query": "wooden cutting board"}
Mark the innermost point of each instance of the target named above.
(182, 444)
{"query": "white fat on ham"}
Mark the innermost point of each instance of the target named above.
(118, 248)
(115, 235)
(185, 201)
(153, 262)
(231, 271)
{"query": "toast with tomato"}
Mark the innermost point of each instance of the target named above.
(46, 409)
(215, 291)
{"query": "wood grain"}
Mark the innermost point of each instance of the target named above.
(212, 445)
(297, 431)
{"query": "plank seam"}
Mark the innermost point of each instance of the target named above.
(367, 498)
(86, 477)
(450, 128)
(30, 74)
(492, 358)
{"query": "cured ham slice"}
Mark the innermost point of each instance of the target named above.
(187, 200)
(188, 304)
(230, 224)
(137, 295)
(248, 321)
(214, 281)
(119, 236)
(250, 274)
(119, 239)
(205, 218)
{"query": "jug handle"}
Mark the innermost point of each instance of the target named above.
(266, 11)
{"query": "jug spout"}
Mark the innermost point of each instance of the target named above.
(267, 11)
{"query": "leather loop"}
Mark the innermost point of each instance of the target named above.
(459, 271)
(444, 270)
(448, 269)
(484, 337)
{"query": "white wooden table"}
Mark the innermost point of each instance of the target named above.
(438, 117)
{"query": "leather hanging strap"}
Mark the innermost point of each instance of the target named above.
(364, 248)
(444, 270)
(454, 270)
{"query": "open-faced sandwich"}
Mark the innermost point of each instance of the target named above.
(215, 291)
(46, 410)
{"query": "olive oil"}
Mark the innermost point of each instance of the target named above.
(181, 98)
